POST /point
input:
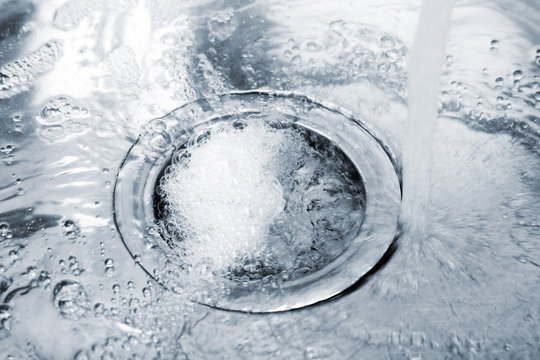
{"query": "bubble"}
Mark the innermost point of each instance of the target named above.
(518, 75)
(99, 309)
(110, 271)
(494, 46)
(14, 255)
(387, 42)
(81, 355)
(74, 266)
(18, 75)
(70, 299)
(8, 149)
(449, 60)
(70, 229)
(221, 26)
(146, 292)
(312, 46)
(4, 230)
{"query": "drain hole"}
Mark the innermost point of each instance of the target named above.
(258, 202)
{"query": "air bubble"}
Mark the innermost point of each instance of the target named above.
(312, 46)
(146, 292)
(70, 229)
(109, 267)
(99, 309)
(17, 76)
(71, 299)
(8, 149)
(494, 46)
(82, 355)
(4, 230)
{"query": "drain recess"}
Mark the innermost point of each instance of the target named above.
(257, 202)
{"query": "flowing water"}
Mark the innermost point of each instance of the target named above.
(81, 83)
(425, 63)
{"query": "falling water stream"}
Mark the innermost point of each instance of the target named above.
(134, 134)
(424, 66)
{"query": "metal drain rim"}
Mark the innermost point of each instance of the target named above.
(313, 289)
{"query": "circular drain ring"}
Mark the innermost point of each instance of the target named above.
(137, 175)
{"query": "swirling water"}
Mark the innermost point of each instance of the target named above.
(80, 79)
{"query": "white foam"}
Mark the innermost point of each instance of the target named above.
(228, 194)
(258, 197)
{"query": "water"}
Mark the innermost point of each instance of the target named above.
(81, 81)
(289, 209)
(425, 63)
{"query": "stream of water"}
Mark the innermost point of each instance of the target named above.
(424, 66)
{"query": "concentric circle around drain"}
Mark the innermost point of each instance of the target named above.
(139, 209)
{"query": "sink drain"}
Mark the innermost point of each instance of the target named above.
(257, 202)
